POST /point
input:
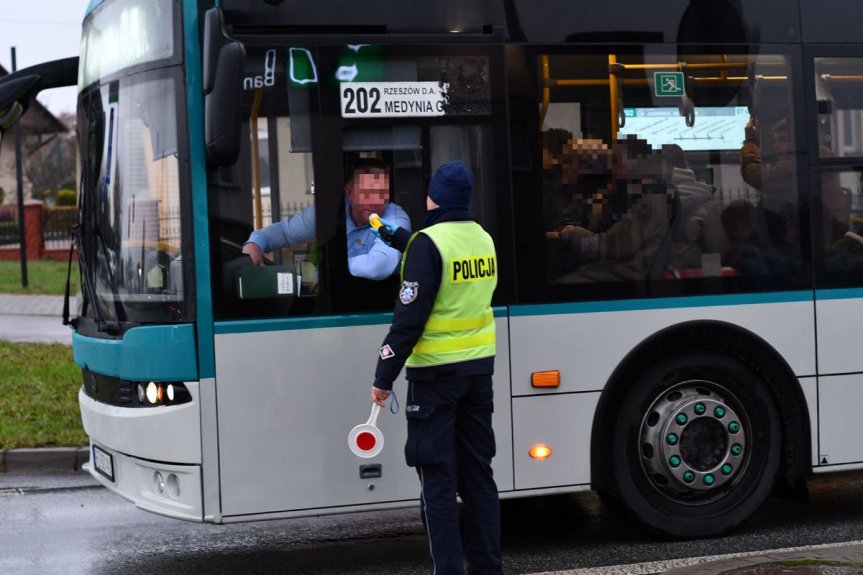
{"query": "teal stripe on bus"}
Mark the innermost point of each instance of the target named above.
(197, 167)
(844, 293)
(661, 303)
(294, 323)
(158, 353)
(252, 326)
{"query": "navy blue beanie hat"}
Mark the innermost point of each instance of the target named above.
(451, 186)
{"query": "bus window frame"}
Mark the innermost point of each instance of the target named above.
(819, 165)
(327, 141)
(802, 280)
(87, 324)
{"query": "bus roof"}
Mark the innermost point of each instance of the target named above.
(556, 21)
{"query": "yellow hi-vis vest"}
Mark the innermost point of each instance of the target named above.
(461, 324)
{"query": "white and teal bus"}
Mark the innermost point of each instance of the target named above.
(678, 338)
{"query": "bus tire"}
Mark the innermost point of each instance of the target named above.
(696, 445)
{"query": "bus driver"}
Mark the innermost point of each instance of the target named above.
(367, 192)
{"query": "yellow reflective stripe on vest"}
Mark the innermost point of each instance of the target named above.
(459, 323)
(444, 345)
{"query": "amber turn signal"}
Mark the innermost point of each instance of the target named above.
(540, 451)
(545, 378)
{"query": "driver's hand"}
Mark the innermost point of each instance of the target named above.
(253, 251)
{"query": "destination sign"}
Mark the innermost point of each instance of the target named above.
(393, 99)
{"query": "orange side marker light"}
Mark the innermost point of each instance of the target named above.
(540, 451)
(545, 378)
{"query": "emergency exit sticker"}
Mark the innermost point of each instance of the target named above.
(393, 99)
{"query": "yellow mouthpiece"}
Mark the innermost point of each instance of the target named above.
(375, 221)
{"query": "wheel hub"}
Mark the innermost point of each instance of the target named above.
(693, 442)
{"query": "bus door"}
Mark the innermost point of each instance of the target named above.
(836, 113)
(297, 339)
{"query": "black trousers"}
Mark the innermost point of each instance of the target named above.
(451, 444)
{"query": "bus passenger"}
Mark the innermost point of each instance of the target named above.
(636, 205)
(700, 230)
(367, 192)
(443, 331)
(774, 179)
(748, 253)
(573, 170)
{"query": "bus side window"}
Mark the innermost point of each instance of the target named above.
(669, 204)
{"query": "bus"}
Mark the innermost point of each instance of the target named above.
(674, 190)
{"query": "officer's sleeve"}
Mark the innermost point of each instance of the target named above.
(402, 233)
(422, 276)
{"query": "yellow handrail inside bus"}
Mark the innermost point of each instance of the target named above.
(612, 90)
(546, 92)
(256, 160)
(615, 78)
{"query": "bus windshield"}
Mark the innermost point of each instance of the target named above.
(130, 224)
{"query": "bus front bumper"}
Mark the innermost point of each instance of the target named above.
(169, 490)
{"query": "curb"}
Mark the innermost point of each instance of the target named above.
(67, 459)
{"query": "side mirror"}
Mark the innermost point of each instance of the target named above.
(224, 59)
(17, 90)
(15, 97)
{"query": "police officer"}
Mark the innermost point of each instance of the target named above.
(443, 331)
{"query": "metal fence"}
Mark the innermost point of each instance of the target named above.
(8, 225)
(57, 225)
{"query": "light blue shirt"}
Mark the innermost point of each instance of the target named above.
(368, 256)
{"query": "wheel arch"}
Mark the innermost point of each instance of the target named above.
(725, 338)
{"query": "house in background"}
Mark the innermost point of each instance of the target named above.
(38, 127)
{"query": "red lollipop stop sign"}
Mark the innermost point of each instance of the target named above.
(366, 440)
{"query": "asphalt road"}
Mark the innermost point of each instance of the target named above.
(64, 525)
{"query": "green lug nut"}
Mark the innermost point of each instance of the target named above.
(736, 449)
(671, 439)
(675, 461)
(700, 409)
(689, 477)
(733, 427)
(708, 480)
(681, 419)
(719, 412)
(727, 469)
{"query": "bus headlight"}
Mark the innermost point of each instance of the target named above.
(153, 392)
(113, 390)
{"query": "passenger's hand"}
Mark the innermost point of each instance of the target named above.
(570, 232)
(254, 252)
(751, 130)
(380, 396)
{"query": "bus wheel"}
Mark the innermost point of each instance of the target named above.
(696, 445)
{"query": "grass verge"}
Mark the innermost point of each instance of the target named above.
(44, 277)
(39, 396)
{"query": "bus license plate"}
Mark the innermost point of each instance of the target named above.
(104, 462)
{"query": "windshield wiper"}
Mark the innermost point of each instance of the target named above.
(113, 327)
